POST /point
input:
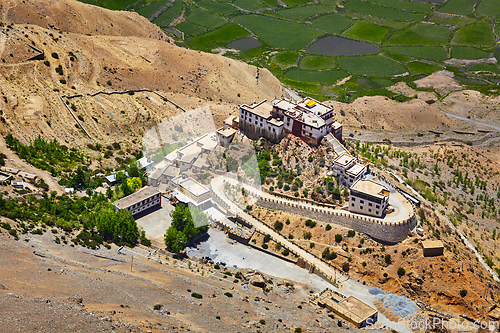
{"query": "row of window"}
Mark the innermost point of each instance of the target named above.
(362, 202)
(369, 209)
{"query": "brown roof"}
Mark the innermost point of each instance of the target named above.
(136, 197)
(262, 109)
(352, 308)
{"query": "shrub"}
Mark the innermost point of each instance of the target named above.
(157, 307)
(338, 238)
(328, 227)
(55, 55)
(278, 225)
(401, 271)
(307, 235)
(216, 266)
(228, 294)
(285, 252)
(267, 238)
(37, 232)
(46, 63)
(62, 81)
(265, 246)
(298, 330)
(262, 322)
(385, 275)
(387, 258)
(311, 245)
(196, 295)
(463, 293)
(351, 233)
(310, 223)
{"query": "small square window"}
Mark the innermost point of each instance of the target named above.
(376, 212)
(352, 204)
(360, 207)
(370, 204)
(377, 206)
(362, 201)
(353, 199)
(369, 210)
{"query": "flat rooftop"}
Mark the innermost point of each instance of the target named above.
(313, 120)
(313, 106)
(191, 185)
(372, 188)
(432, 244)
(136, 197)
(275, 122)
(171, 171)
(226, 132)
(207, 141)
(336, 125)
(356, 169)
(355, 309)
(156, 173)
(344, 160)
(283, 104)
(262, 109)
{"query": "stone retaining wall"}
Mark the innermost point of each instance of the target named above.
(384, 232)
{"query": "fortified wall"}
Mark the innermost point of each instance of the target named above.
(384, 232)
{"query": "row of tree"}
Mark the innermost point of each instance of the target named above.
(187, 223)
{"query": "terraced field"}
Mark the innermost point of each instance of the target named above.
(312, 45)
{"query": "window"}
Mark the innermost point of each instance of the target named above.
(361, 201)
(352, 204)
(370, 204)
(353, 199)
(377, 206)
(369, 210)
(376, 212)
(360, 207)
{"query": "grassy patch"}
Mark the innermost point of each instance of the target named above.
(169, 15)
(484, 67)
(418, 67)
(216, 7)
(328, 77)
(460, 7)
(422, 52)
(303, 12)
(317, 62)
(362, 30)
(382, 12)
(398, 57)
(285, 59)
(489, 7)
(279, 33)
(189, 28)
(409, 37)
(422, 34)
(149, 10)
(463, 52)
(219, 37)
(456, 21)
(333, 23)
(371, 65)
(111, 4)
(270, 3)
(411, 6)
(374, 83)
(476, 34)
(250, 5)
(293, 3)
(205, 19)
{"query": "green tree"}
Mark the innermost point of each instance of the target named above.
(401, 271)
(134, 183)
(187, 223)
(338, 238)
(175, 240)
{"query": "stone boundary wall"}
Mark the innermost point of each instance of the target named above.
(385, 232)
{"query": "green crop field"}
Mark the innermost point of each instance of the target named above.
(333, 23)
(216, 7)
(382, 12)
(489, 7)
(476, 34)
(293, 3)
(149, 10)
(410, 6)
(205, 19)
(219, 37)
(250, 5)
(418, 67)
(285, 59)
(279, 33)
(464, 52)
(190, 28)
(420, 52)
(328, 77)
(171, 13)
(493, 68)
(362, 30)
(459, 7)
(374, 65)
(317, 62)
(309, 45)
(304, 12)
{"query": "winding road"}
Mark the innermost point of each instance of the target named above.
(472, 121)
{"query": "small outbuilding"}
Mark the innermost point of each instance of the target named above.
(433, 248)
